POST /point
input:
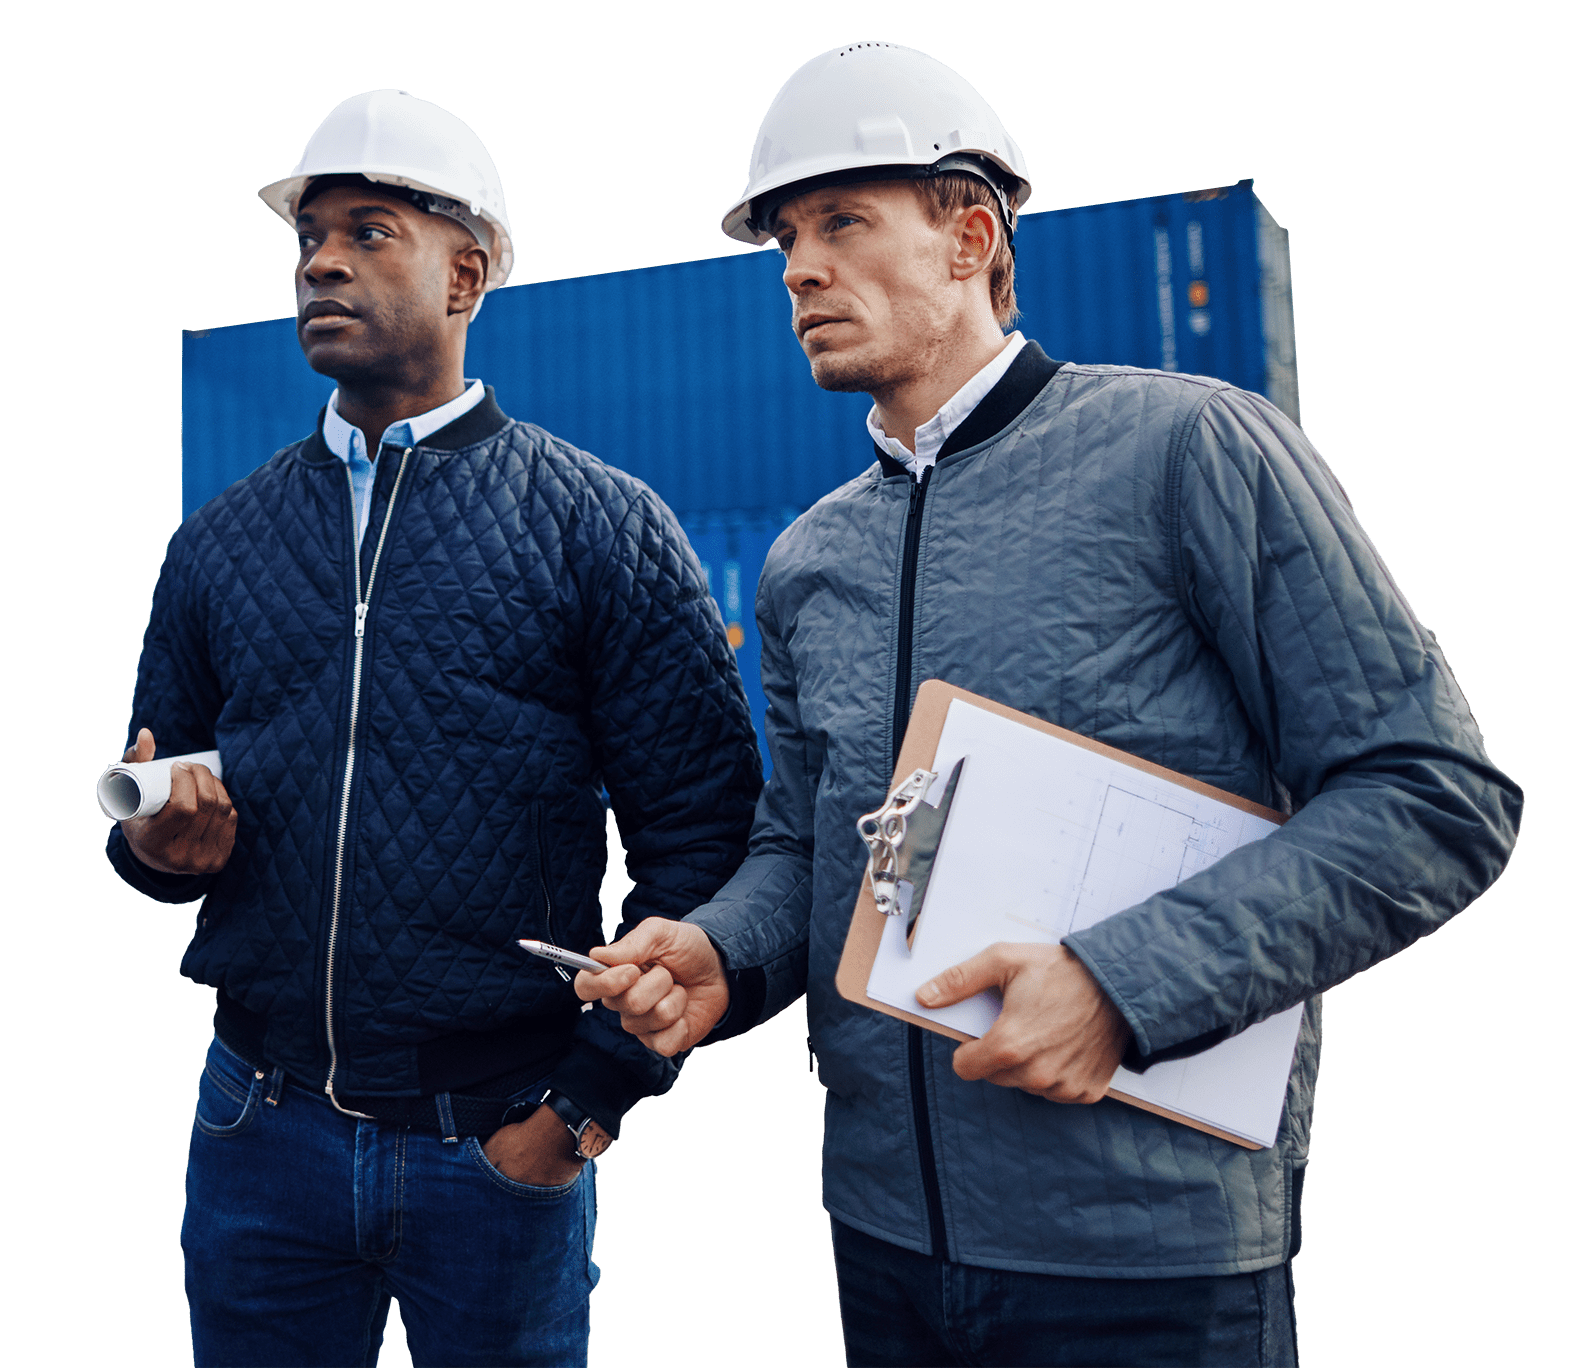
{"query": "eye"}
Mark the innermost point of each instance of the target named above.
(840, 221)
(307, 244)
(784, 241)
(371, 232)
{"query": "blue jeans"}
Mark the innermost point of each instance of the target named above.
(900, 1307)
(303, 1223)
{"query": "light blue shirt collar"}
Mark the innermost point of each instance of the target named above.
(348, 443)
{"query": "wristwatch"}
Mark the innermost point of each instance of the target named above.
(590, 1138)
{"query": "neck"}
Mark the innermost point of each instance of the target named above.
(374, 407)
(903, 407)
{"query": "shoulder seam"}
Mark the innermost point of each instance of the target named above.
(1174, 483)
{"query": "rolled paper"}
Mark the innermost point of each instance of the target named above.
(141, 790)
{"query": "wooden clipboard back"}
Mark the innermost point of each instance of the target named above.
(919, 751)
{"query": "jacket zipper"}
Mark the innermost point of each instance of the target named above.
(900, 724)
(543, 888)
(362, 603)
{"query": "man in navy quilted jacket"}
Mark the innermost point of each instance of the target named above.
(426, 640)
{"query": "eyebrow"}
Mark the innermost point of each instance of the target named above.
(841, 200)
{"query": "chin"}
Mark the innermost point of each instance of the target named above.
(845, 374)
(327, 357)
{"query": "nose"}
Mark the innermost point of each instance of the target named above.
(807, 266)
(327, 262)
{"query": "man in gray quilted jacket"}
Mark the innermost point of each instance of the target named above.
(1157, 561)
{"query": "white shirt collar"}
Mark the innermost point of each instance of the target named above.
(931, 434)
(348, 443)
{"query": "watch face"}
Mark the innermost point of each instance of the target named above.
(592, 1142)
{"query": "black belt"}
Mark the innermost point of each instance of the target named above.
(477, 1110)
(471, 1115)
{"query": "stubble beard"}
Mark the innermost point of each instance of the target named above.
(842, 375)
(879, 375)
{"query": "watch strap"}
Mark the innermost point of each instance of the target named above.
(562, 1106)
(576, 1120)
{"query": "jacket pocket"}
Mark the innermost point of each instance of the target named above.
(544, 907)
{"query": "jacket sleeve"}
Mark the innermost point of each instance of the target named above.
(670, 726)
(759, 922)
(178, 697)
(1400, 820)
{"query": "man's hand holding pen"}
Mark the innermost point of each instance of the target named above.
(667, 983)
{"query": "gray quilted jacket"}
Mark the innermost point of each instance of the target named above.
(1163, 563)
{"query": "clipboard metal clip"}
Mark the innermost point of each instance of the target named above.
(902, 836)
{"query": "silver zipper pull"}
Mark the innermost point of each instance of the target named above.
(360, 621)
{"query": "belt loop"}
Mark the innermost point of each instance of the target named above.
(274, 1089)
(446, 1120)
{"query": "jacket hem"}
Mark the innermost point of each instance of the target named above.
(1216, 1268)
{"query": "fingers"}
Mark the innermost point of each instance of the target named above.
(1043, 1080)
(673, 1040)
(664, 1016)
(1045, 1075)
(655, 1002)
(990, 1056)
(194, 832)
(990, 969)
(591, 987)
(142, 749)
(643, 944)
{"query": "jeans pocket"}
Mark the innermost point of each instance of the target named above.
(531, 1191)
(230, 1093)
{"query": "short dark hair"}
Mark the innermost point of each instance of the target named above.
(942, 196)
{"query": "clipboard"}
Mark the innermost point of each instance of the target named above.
(919, 750)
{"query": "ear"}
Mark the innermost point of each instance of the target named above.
(468, 279)
(975, 233)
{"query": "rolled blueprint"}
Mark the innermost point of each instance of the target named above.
(141, 790)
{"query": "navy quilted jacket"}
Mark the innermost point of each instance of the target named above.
(537, 632)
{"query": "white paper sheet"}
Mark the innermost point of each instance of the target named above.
(141, 790)
(1045, 838)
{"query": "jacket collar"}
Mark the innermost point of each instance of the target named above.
(1025, 378)
(477, 424)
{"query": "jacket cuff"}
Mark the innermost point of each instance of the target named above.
(1140, 1055)
(747, 987)
(1139, 1062)
(167, 888)
(599, 1084)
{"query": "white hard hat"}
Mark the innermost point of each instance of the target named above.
(391, 137)
(873, 111)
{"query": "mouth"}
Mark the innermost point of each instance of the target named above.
(325, 315)
(810, 324)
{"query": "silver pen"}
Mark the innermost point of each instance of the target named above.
(568, 958)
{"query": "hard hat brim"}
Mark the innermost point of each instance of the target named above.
(282, 198)
(744, 221)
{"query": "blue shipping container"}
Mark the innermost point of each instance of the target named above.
(688, 375)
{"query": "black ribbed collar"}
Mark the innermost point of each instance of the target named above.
(476, 424)
(1025, 378)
